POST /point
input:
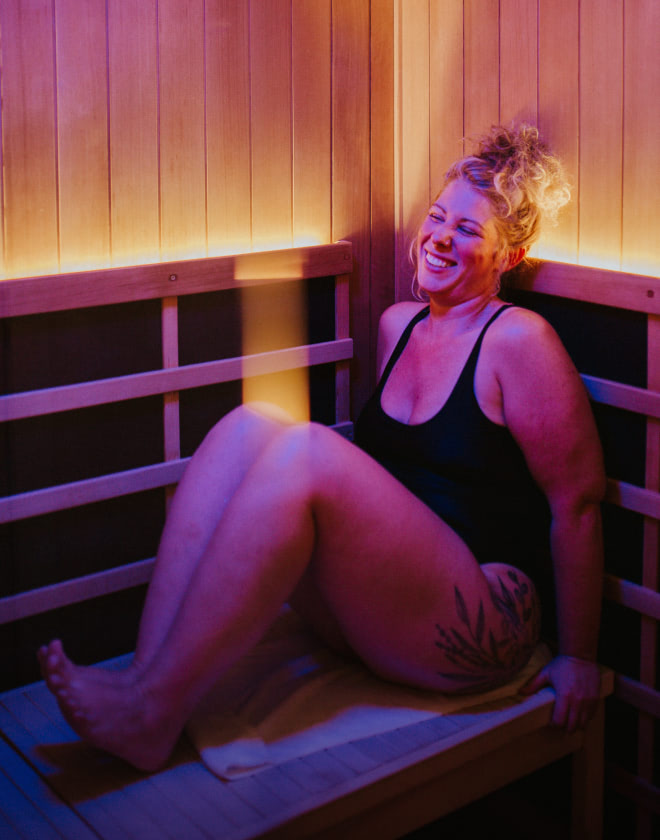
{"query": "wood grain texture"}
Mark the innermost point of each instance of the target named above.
(412, 188)
(559, 113)
(311, 32)
(96, 288)
(447, 88)
(351, 149)
(482, 70)
(641, 184)
(383, 227)
(228, 127)
(601, 105)
(133, 142)
(518, 28)
(82, 105)
(271, 125)
(182, 148)
(29, 138)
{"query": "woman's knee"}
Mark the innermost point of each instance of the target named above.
(310, 451)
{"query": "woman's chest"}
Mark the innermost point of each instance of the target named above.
(426, 375)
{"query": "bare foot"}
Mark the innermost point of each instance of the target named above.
(117, 716)
(126, 675)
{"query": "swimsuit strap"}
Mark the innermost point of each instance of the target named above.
(401, 343)
(472, 358)
(405, 336)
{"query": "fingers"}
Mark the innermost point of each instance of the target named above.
(535, 683)
(575, 701)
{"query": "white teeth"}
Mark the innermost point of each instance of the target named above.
(437, 261)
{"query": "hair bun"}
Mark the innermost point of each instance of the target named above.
(524, 181)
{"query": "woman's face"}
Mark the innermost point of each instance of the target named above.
(459, 254)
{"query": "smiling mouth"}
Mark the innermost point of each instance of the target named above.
(438, 262)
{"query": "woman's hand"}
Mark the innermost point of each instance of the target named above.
(577, 687)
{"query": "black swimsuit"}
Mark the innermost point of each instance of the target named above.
(466, 468)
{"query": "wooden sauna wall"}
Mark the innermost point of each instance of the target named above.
(586, 71)
(137, 131)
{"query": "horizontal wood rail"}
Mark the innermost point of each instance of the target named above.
(643, 793)
(641, 696)
(639, 598)
(620, 289)
(75, 590)
(117, 389)
(631, 497)
(628, 397)
(28, 295)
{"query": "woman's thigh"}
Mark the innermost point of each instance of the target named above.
(401, 588)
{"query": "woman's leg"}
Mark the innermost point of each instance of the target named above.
(211, 479)
(312, 505)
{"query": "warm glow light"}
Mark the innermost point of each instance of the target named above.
(274, 316)
(303, 240)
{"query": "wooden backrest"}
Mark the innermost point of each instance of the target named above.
(273, 279)
(627, 407)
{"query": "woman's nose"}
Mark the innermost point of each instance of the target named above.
(441, 235)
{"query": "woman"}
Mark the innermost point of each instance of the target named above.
(429, 585)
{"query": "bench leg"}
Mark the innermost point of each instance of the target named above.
(588, 780)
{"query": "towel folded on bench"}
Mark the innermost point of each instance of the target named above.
(292, 696)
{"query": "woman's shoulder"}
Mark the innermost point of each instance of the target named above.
(396, 318)
(522, 329)
(521, 344)
(392, 323)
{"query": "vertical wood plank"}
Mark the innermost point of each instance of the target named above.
(133, 113)
(446, 81)
(270, 86)
(518, 61)
(2, 179)
(272, 197)
(29, 138)
(228, 126)
(382, 167)
(641, 187)
(601, 132)
(482, 71)
(647, 753)
(312, 164)
(559, 113)
(350, 167)
(82, 123)
(413, 116)
(170, 351)
(342, 330)
(182, 152)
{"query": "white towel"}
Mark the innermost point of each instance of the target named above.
(291, 696)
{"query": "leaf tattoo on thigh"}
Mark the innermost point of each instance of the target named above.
(484, 659)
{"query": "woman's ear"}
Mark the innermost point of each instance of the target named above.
(513, 257)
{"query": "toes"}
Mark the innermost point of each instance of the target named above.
(55, 667)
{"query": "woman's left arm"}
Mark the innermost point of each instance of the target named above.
(546, 408)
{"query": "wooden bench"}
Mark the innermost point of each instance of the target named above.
(53, 786)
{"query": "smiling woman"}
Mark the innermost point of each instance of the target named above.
(420, 549)
(523, 184)
(459, 245)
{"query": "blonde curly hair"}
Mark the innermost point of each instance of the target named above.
(522, 179)
(524, 182)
